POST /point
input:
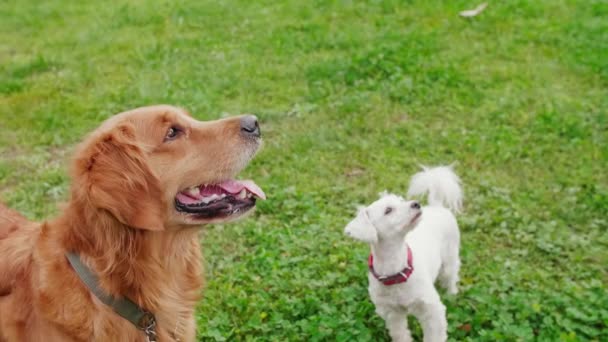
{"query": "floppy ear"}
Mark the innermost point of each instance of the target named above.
(114, 176)
(361, 228)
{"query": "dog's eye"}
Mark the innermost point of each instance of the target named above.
(388, 210)
(172, 133)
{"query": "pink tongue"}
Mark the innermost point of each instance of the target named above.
(186, 199)
(230, 186)
(234, 187)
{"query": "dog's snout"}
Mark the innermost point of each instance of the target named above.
(250, 126)
(415, 205)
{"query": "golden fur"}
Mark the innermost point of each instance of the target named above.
(120, 218)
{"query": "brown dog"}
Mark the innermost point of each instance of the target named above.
(142, 183)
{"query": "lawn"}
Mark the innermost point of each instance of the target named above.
(352, 96)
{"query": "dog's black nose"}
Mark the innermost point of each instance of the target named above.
(250, 126)
(415, 205)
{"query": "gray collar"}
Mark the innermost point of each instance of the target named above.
(124, 307)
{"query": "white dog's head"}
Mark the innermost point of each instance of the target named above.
(389, 217)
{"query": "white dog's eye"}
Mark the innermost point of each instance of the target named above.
(388, 210)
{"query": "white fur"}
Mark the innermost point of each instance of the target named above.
(435, 244)
(441, 184)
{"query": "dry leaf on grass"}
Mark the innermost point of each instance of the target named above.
(355, 172)
(474, 12)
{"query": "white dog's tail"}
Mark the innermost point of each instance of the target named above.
(441, 184)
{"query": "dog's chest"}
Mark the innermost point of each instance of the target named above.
(398, 295)
(175, 319)
(177, 300)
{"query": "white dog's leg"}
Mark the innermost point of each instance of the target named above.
(449, 274)
(396, 323)
(453, 278)
(450, 267)
(431, 315)
(435, 326)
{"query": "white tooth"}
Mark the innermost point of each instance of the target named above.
(249, 195)
(243, 194)
(222, 195)
(214, 197)
(194, 191)
(206, 200)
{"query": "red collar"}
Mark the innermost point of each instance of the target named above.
(396, 278)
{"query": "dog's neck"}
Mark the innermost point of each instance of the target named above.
(132, 262)
(160, 271)
(390, 255)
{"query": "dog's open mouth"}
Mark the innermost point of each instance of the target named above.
(213, 201)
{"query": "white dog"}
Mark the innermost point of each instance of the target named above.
(405, 262)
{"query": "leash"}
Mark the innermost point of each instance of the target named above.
(142, 319)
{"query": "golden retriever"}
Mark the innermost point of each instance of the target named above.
(142, 183)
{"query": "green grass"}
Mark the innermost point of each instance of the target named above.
(352, 95)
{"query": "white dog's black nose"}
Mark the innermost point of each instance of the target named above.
(415, 205)
(250, 126)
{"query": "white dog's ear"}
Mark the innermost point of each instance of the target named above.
(361, 228)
